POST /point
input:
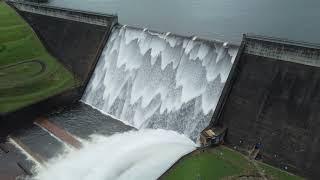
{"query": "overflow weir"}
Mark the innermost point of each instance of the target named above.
(265, 91)
(160, 80)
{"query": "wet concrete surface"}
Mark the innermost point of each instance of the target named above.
(78, 120)
(39, 142)
(13, 163)
(58, 132)
(82, 121)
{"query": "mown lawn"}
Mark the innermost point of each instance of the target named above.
(222, 163)
(28, 73)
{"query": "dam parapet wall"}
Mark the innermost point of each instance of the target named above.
(281, 49)
(68, 14)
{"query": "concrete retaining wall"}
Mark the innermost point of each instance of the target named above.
(67, 14)
(73, 43)
(77, 44)
(275, 100)
(75, 38)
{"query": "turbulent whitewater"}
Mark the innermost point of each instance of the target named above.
(166, 86)
(141, 155)
(154, 80)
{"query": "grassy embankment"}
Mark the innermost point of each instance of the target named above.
(223, 163)
(28, 73)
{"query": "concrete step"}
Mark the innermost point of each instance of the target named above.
(58, 132)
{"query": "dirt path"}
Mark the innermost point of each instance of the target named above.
(42, 64)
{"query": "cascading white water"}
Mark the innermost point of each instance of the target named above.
(147, 80)
(152, 80)
(136, 155)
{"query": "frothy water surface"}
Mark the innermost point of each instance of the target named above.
(143, 154)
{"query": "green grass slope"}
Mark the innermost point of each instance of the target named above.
(223, 163)
(28, 73)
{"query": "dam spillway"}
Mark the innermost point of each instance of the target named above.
(158, 80)
(151, 80)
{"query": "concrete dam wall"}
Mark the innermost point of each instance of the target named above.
(274, 100)
(75, 38)
(271, 95)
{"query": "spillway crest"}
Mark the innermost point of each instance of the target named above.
(154, 80)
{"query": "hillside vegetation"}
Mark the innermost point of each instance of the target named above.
(28, 73)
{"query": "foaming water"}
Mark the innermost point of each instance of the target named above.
(143, 154)
(147, 80)
(159, 80)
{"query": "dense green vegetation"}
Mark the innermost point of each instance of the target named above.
(28, 73)
(223, 163)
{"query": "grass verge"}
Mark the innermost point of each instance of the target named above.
(223, 163)
(28, 73)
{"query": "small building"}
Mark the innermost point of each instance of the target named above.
(212, 136)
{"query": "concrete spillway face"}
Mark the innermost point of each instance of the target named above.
(152, 80)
